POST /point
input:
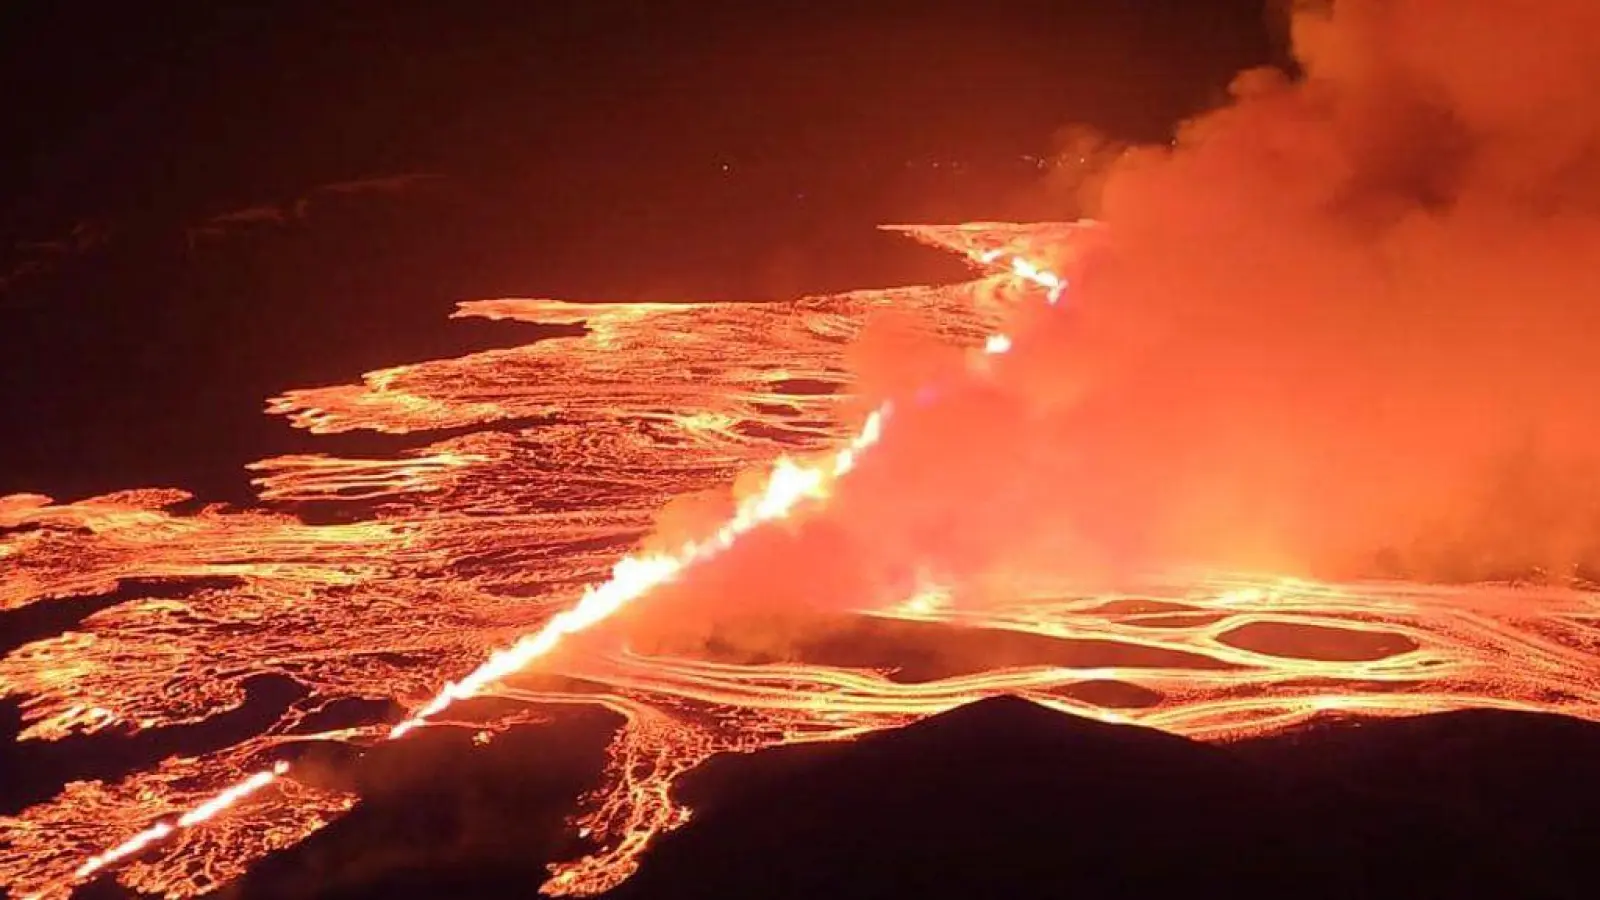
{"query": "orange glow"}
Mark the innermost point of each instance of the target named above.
(212, 807)
(787, 486)
(462, 558)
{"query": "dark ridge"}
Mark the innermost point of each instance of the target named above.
(992, 728)
(1004, 798)
(1461, 800)
(442, 816)
(1011, 721)
(1466, 750)
(999, 798)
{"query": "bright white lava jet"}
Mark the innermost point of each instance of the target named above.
(789, 484)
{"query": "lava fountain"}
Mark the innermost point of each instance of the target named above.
(566, 449)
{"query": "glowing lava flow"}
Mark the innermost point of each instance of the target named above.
(193, 817)
(788, 485)
(550, 460)
(1052, 283)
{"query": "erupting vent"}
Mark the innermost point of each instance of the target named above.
(485, 541)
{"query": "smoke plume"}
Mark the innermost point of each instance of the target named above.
(1343, 325)
(1347, 320)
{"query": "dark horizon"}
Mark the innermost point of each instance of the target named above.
(265, 103)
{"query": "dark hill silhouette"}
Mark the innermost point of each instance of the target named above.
(1005, 798)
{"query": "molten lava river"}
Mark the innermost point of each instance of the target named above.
(454, 569)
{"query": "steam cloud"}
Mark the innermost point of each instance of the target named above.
(1343, 325)
(1352, 315)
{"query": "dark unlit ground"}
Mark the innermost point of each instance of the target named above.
(1004, 798)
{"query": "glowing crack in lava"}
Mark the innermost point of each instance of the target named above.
(566, 449)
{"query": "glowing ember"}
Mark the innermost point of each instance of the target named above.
(470, 540)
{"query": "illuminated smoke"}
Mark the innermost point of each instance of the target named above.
(1303, 334)
(1342, 326)
(1346, 323)
(788, 485)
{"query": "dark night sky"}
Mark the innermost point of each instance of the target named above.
(583, 145)
(126, 103)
